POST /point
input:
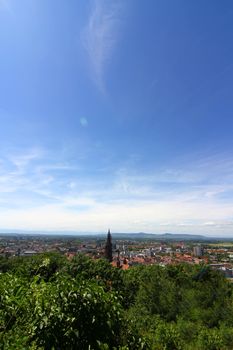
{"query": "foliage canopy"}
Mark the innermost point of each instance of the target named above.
(49, 302)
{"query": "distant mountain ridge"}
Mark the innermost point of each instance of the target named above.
(164, 236)
(116, 235)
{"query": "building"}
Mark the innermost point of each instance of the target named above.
(198, 250)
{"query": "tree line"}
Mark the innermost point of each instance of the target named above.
(49, 302)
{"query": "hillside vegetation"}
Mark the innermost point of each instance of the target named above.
(48, 302)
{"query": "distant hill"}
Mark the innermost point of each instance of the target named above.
(163, 237)
(121, 235)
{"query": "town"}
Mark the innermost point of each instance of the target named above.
(126, 251)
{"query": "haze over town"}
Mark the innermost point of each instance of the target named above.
(117, 115)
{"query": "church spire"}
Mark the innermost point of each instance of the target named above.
(108, 247)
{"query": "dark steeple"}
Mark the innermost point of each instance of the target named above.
(108, 247)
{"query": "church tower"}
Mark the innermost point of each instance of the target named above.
(108, 247)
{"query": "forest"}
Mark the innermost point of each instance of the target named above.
(50, 302)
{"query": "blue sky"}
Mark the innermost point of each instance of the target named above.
(116, 114)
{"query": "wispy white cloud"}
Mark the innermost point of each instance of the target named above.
(41, 192)
(100, 36)
(140, 216)
(21, 161)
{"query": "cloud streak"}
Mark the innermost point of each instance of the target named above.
(39, 191)
(100, 37)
